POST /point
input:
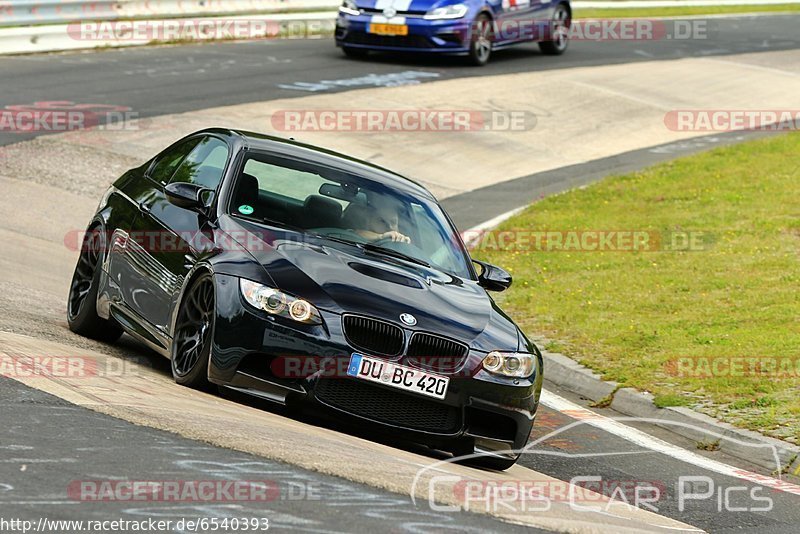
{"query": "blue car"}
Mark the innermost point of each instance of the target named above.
(467, 27)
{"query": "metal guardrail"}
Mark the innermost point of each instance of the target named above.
(64, 36)
(22, 12)
(30, 12)
(30, 26)
(35, 12)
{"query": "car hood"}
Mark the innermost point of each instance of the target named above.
(403, 5)
(344, 279)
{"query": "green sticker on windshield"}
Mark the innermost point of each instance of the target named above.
(244, 209)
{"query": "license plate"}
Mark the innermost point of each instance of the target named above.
(397, 376)
(388, 29)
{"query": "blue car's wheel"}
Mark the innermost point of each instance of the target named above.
(559, 28)
(480, 47)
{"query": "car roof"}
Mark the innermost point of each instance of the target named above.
(292, 148)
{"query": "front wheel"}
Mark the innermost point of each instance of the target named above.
(191, 344)
(480, 46)
(82, 315)
(559, 32)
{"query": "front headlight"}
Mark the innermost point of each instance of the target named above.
(349, 7)
(515, 364)
(279, 303)
(455, 11)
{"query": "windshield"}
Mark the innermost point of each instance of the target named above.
(339, 206)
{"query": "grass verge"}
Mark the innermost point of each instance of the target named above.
(714, 324)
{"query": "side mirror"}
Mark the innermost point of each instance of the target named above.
(492, 277)
(189, 196)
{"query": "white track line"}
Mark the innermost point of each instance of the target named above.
(644, 440)
(634, 435)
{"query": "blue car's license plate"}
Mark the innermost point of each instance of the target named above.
(398, 376)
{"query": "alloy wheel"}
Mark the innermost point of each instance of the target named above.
(193, 329)
(84, 271)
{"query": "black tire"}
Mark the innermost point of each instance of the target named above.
(355, 53)
(480, 44)
(191, 343)
(82, 315)
(559, 26)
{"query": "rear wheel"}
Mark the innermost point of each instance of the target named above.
(82, 301)
(480, 46)
(191, 344)
(559, 32)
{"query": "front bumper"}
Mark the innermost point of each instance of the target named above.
(286, 362)
(431, 36)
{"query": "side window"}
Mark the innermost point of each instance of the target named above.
(164, 168)
(205, 165)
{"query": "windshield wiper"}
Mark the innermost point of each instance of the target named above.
(285, 225)
(371, 247)
(340, 240)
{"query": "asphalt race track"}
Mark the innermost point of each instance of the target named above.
(202, 76)
(46, 442)
(75, 441)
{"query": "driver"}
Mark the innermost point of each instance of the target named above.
(378, 219)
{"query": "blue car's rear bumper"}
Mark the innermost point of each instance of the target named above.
(431, 36)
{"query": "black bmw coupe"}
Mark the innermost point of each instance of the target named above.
(300, 275)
